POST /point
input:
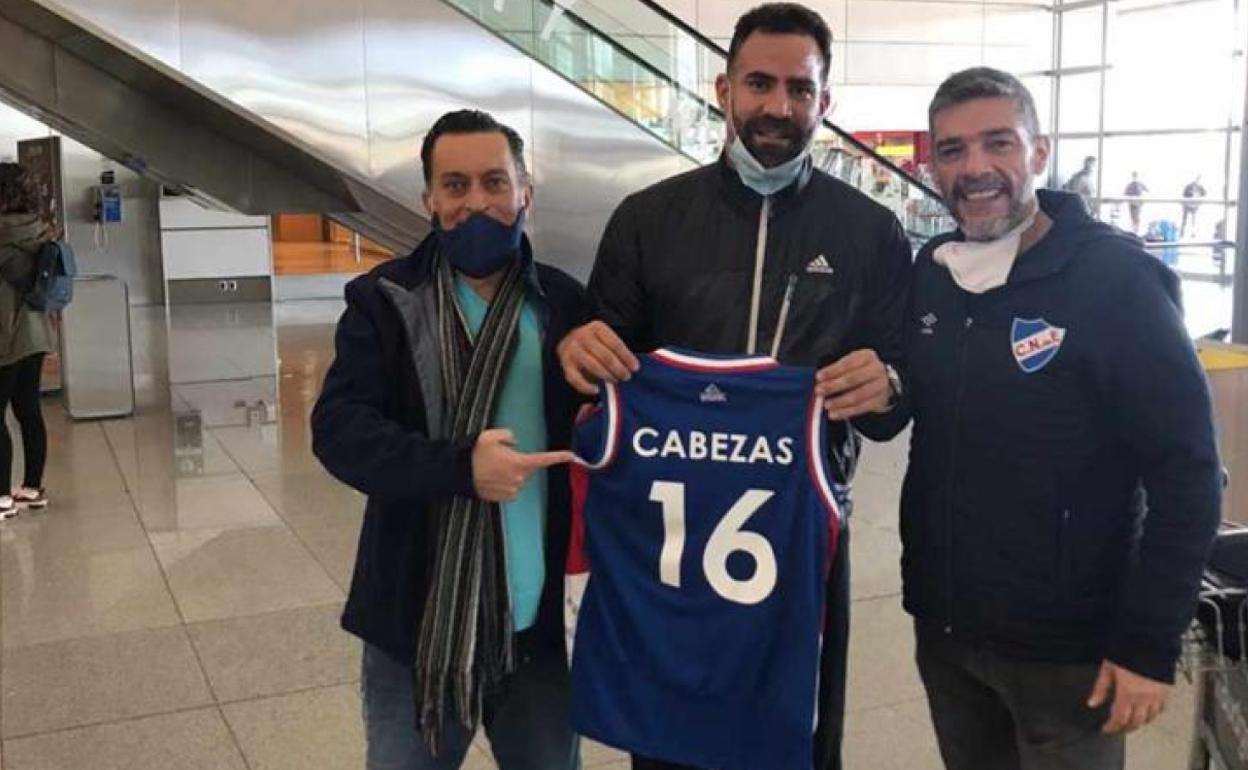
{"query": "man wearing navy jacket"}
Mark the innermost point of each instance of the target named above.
(445, 405)
(1063, 488)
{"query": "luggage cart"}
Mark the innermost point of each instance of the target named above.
(1214, 660)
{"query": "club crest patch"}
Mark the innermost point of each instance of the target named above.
(1035, 343)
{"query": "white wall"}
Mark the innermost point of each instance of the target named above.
(888, 56)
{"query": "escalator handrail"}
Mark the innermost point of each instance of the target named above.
(633, 56)
(865, 148)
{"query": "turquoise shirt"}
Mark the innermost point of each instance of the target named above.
(521, 410)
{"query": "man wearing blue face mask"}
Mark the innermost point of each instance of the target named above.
(445, 406)
(705, 260)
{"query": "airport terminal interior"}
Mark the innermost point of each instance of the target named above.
(222, 169)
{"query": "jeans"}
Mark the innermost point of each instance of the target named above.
(527, 724)
(1005, 714)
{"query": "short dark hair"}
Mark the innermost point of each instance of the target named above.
(985, 83)
(470, 122)
(783, 19)
(17, 193)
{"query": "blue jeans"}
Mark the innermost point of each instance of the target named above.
(527, 724)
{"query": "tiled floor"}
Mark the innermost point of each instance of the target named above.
(176, 607)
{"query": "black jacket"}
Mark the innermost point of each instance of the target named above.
(676, 266)
(372, 428)
(1023, 521)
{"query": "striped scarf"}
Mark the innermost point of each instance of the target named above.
(465, 648)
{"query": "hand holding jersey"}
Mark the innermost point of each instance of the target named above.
(595, 353)
(857, 384)
(852, 386)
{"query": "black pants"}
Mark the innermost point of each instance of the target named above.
(19, 387)
(832, 672)
(995, 712)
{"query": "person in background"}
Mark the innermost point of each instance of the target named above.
(1135, 188)
(25, 338)
(1193, 192)
(1081, 183)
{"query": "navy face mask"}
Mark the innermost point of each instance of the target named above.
(481, 245)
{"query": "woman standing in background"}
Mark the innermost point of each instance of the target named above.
(25, 338)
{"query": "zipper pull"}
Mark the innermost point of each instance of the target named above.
(970, 322)
(784, 316)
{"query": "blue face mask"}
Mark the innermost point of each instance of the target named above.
(481, 245)
(759, 178)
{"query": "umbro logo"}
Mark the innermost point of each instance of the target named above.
(713, 395)
(820, 266)
(928, 322)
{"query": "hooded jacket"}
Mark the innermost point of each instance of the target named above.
(1064, 484)
(24, 331)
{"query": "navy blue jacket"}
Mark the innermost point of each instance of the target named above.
(372, 428)
(1039, 408)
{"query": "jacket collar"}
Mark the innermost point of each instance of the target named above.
(1072, 226)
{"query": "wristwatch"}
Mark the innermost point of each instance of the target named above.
(894, 385)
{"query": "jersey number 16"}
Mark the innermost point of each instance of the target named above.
(728, 538)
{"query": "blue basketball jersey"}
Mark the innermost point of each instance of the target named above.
(703, 503)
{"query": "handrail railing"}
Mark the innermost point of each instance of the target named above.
(858, 144)
(653, 70)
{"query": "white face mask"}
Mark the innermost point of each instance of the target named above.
(980, 266)
(759, 178)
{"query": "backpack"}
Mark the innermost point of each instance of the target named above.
(52, 285)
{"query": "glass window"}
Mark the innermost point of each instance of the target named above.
(1187, 87)
(1082, 36)
(1165, 165)
(1069, 159)
(1079, 102)
(1018, 38)
(1041, 89)
(1235, 172)
(1239, 71)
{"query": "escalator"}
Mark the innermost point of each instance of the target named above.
(77, 78)
(658, 72)
(308, 106)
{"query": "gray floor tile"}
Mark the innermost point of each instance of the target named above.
(188, 740)
(86, 681)
(875, 559)
(276, 653)
(241, 572)
(881, 656)
(335, 548)
(311, 499)
(312, 729)
(51, 597)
